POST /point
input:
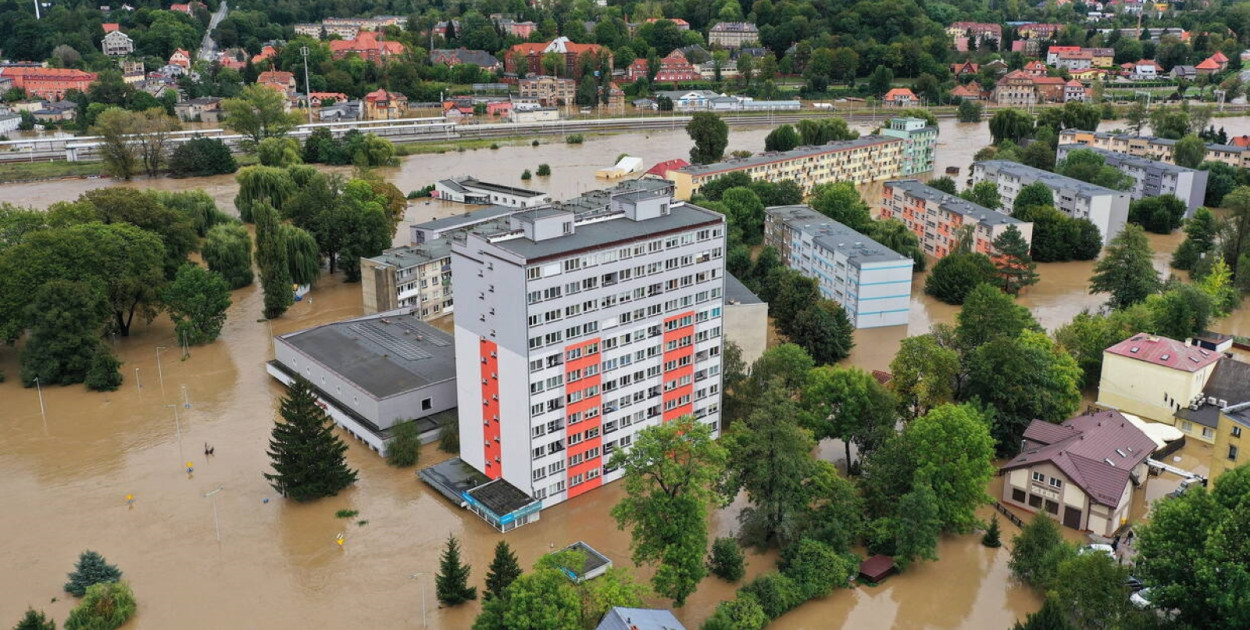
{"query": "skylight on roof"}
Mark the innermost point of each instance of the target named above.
(1134, 349)
(1166, 357)
(1194, 359)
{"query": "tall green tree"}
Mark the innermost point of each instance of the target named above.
(228, 251)
(1160, 215)
(983, 194)
(452, 581)
(1194, 557)
(258, 113)
(90, 569)
(671, 475)
(924, 372)
(67, 321)
(308, 459)
(990, 314)
(913, 531)
(1024, 378)
(850, 405)
(303, 255)
(197, 301)
(745, 211)
(1126, 271)
(1011, 124)
(1016, 268)
(957, 274)
(1037, 551)
(1091, 585)
(146, 211)
(503, 571)
(1199, 240)
(1050, 617)
(710, 135)
(782, 138)
(1189, 151)
(824, 330)
(105, 606)
(841, 202)
(770, 458)
(1035, 194)
(118, 147)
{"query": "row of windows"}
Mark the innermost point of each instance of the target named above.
(582, 478)
(623, 253)
(1054, 482)
(589, 454)
(581, 436)
(638, 293)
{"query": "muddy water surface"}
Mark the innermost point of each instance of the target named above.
(64, 480)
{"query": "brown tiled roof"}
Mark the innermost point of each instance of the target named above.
(1096, 451)
(1165, 352)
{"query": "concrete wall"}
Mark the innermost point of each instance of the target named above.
(883, 294)
(747, 326)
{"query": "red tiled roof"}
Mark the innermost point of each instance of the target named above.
(1208, 64)
(366, 41)
(1074, 83)
(876, 567)
(1097, 452)
(275, 76)
(1048, 80)
(1165, 352)
(1219, 57)
(966, 90)
(1239, 141)
(109, 27)
(899, 93)
(666, 166)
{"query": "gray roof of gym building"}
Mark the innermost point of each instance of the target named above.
(590, 235)
(953, 203)
(384, 354)
(738, 293)
(468, 218)
(413, 255)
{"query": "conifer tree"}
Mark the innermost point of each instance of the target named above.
(35, 620)
(452, 581)
(503, 571)
(90, 569)
(992, 537)
(308, 459)
(1016, 268)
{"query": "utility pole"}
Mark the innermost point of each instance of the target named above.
(37, 16)
(424, 621)
(178, 423)
(43, 411)
(159, 372)
(216, 520)
(303, 51)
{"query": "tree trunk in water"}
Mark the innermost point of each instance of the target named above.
(847, 444)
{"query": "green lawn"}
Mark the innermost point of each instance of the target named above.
(31, 171)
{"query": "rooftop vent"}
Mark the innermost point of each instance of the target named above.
(1120, 453)
(1166, 357)
(1134, 349)
(1109, 461)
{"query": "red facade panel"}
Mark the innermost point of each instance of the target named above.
(583, 415)
(678, 359)
(490, 409)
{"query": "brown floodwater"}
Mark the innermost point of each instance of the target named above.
(64, 480)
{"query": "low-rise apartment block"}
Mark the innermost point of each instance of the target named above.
(1107, 209)
(871, 281)
(1158, 149)
(548, 91)
(1152, 178)
(733, 34)
(473, 190)
(909, 147)
(937, 218)
(574, 332)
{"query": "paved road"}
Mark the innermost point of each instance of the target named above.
(208, 47)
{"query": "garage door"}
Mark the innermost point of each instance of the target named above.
(1071, 517)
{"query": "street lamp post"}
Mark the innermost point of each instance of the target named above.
(303, 51)
(424, 621)
(43, 411)
(178, 424)
(159, 372)
(216, 520)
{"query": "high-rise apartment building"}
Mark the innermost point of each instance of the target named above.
(575, 330)
(938, 218)
(1151, 178)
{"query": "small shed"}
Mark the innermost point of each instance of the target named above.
(876, 568)
(595, 564)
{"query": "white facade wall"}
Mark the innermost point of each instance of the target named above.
(1107, 209)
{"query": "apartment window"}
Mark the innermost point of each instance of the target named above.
(534, 273)
(538, 474)
(1039, 477)
(1035, 501)
(557, 487)
(427, 404)
(1052, 507)
(1236, 432)
(1208, 433)
(1187, 426)
(1232, 453)
(1056, 482)
(1018, 495)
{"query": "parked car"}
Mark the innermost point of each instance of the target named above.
(1141, 599)
(1098, 548)
(1134, 584)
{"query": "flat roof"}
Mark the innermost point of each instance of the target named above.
(1053, 180)
(594, 559)
(472, 217)
(1125, 158)
(413, 255)
(501, 497)
(738, 293)
(384, 354)
(595, 234)
(782, 156)
(835, 236)
(954, 203)
(500, 188)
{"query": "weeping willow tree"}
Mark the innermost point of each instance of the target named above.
(228, 251)
(275, 275)
(268, 184)
(195, 205)
(303, 255)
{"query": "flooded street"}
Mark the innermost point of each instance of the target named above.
(64, 482)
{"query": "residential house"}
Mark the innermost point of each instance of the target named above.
(1107, 209)
(689, 99)
(1103, 57)
(1074, 90)
(56, 111)
(1038, 31)
(900, 97)
(527, 58)
(966, 68)
(548, 91)
(733, 34)
(1015, 88)
(413, 277)
(1083, 472)
(1088, 75)
(1219, 414)
(463, 56)
(1154, 377)
(1159, 149)
(673, 67)
(9, 122)
(1184, 72)
(1049, 89)
(280, 81)
(205, 109)
(266, 53)
(1143, 70)
(871, 281)
(1220, 59)
(180, 58)
(937, 218)
(616, 96)
(978, 34)
(1053, 53)
(117, 44)
(327, 98)
(48, 83)
(109, 27)
(682, 25)
(969, 92)
(1207, 66)
(1035, 68)
(368, 46)
(384, 105)
(1075, 60)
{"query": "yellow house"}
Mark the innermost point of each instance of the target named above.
(1154, 377)
(1082, 472)
(1222, 416)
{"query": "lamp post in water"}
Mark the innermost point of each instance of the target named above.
(216, 521)
(416, 576)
